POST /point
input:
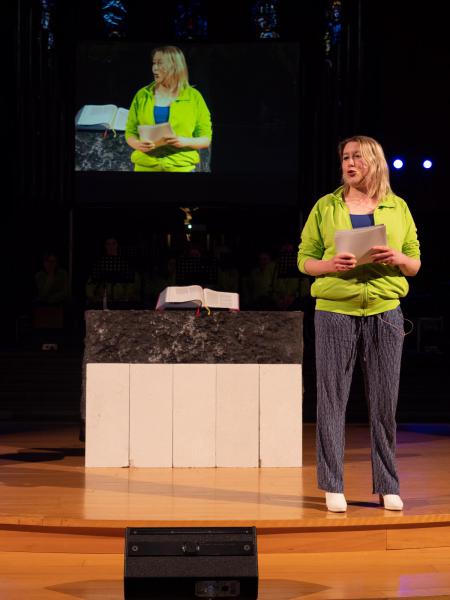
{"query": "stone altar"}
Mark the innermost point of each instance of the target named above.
(169, 388)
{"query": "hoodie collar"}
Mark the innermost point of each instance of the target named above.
(387, 201)
(181, 96)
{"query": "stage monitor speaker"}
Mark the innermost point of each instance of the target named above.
(180, 563)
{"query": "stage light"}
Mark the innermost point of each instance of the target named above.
(427, 164)
(398, 163)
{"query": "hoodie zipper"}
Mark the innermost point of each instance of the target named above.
(365, 297)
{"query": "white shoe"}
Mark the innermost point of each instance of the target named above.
(335, 502)
(391, 502)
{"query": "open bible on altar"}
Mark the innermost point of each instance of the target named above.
(102, 116)
(193, 296)
(359, 241)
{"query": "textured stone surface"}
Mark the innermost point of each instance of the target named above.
(97, 152)
(147, 336)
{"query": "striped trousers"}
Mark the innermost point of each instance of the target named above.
(377, 341)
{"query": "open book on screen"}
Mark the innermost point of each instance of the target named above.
(193, 296)
(359, 241)
(155, 133)
(102, 116)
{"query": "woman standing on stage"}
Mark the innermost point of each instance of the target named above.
(358, 314)
(169, 99)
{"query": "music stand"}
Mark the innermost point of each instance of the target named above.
(287, 266)
(195, 270)
(111, 270)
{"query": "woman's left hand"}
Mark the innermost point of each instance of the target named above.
(386, 255)
(177, 141)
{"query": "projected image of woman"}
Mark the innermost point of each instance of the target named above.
(169, 99)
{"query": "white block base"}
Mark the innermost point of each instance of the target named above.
(280, 397)
(151, 415)
(193, 415)
(237, 416)
(107, 415)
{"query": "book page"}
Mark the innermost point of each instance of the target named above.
(96, 114)
(155, 133)
(359, 241)
(184, 293)
(120, 122)
(215, 299)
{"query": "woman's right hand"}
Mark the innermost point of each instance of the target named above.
(144, 146)
(141, 145)
(344, 261)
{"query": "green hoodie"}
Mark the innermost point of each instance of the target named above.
(367, 289)
(189, 117)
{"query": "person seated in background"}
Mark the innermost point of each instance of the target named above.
(291, 289)
(51, 282)
(163, 276)
(291, 293)
(258, 284)
(50, 302)
(195, 266)
(113, 280)
(228, 279)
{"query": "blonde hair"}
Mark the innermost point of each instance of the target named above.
(175, 63)
(377, 178)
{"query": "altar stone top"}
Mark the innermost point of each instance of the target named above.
(179, 336)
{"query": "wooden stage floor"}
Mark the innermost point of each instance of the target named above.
(67, 521)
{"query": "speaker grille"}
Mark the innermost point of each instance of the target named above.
(182, 563)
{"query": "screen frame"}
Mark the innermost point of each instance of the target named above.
(213, 187)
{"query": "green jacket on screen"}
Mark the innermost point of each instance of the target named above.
(189, 117)
(367, 289)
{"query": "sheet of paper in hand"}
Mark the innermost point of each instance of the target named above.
(155, 133)
(359, 241)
